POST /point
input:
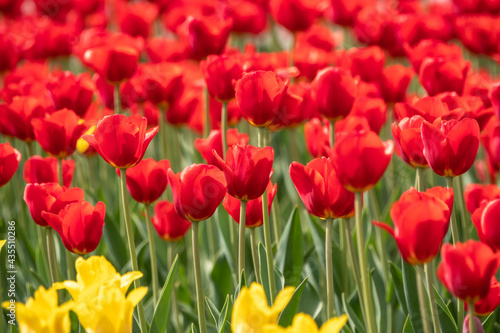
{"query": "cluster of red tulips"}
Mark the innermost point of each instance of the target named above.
(240, 105)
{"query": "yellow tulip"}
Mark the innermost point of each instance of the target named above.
(110, 311)
(304, 323)
(42, 313)
(94, 273)
(251, 311)
(2, 243)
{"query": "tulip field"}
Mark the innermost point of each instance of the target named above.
(249, 166)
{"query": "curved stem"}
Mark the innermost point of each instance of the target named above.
(422, 300)
(152, 254)
(432, 298)
(117, 99)
(131, 246)
(329, 269)
(472, 319)
(363, 265)
(255, 258)
(197, 277)
(241, 242)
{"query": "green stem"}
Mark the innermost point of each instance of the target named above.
(329, 269)
(379, 238)
(223, 129)
(419, 181)
(42, 236)
(241, 242)
(454, 227)
(51, 255)
(267, 229)
(332, 133)
(472, 321)
(117, 99)
(131, 246)
(432, 298)
(175, 309)
(363, 265)
(461, 206)
(255, 258)
(70, 264)
(422, 300)
(197, 276)
(275, 208)
(152, 254)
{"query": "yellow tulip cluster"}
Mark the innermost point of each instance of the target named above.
(100, 301)
(252, 314)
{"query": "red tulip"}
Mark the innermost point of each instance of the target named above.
(421, 221)
(158, 83)
(345, 11)
(394, 82)
(10, 51)
(296, 107)
(15, 119)
(490, 303)
(320, 189)
(317, 137)
(333, 91)
(169, 225)
(408, 139)
(248, 16)
(349, 124)
(466, 325)
(115, 63)
(450, 147)
(121, 141)
(295, 15)
(147, 180)
(136, 19)
(485, 219)
(233, 113)
(430, 48)
(475, 194)
(79, 224)
(50, 197)
(466, 269)
(57, 133)
(260, 95)
(74, 92)
(198, 190)
(247, 169)
(479, 33)
(253, 210)
(9, 162)
(214, 142)
(373, 109)
(38, 169)
(360, 159)
(221, 73)
(439, 75)
(367, 62)
(160, 49)
(494, 96)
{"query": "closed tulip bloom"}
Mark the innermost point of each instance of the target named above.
(439, 75)
(136, 19)
(168, 224)
(320, 189)
(494, 96)
(367, 62)
(79, 224)
(247, 170)
(221, 73)
(476, 194)
(373, 109)
(147, 180)
(408, 139)
(467, 268)
(421, 221)
(295, 15)
(490, 303)
(58, 133)
(49, 197)
(253, 212)
(198, 190)
(9, 162)
(115, 63)
(333, 91)
(15, 118)
(429, 108)
(121, 141)
(450, 147)
(71, 91)
(466, 325)
(360, 159)
(317, 137)
(394, 82)
(214, 142)
(259, 95)
(485, 219)
(38, 169)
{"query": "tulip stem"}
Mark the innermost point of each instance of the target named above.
(255, 258)
(117, 99)
(223, 129)
(51, 255)
(461, 206)
(331, 131)
(472, 319)
(329, 269)
(197, 277)
(454, 228)
(363, 265)
(241, 242)
(432, 298)
(70, 263)
(131, 246)
(267, 230)
(175, 312)
(419, 181)
(422, 300)
(152, 254)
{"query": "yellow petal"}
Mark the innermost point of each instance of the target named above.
(281, 302)
(135, 296)
(273, 329)
(2, 243)
(334, 325)
(127, 280)
(250, 311)
(303, 323)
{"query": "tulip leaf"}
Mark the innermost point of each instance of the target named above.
(286, 316)
(289, 257)
(397, 279)
(214, 312)
(410, 288)
(243, 283)
(446, 319)
(488, 322)
(162, 309)
(407, 326)
(221, 323)
(352, 316)
(193, 328)
(278, 276)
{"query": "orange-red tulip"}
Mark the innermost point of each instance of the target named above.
(15, 118)
(439, 75)
(408, 139)
(295, 15)
(490, 303)
(115, 63)
(476, 194)
(38, 169)
(485, 219)
(317, 136)
(74, 92)
(9, 162)
(221, 73)
(214, 142)
(169, 225)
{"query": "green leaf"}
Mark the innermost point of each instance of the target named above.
(162, 309)
(352, 316)
(214, 312)
(243, 283)
(289, 257)
(221, 323)
(410, 287)
(446, 319)
(397, 279)
(286, 316)
(407, 326)
(278, 276)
